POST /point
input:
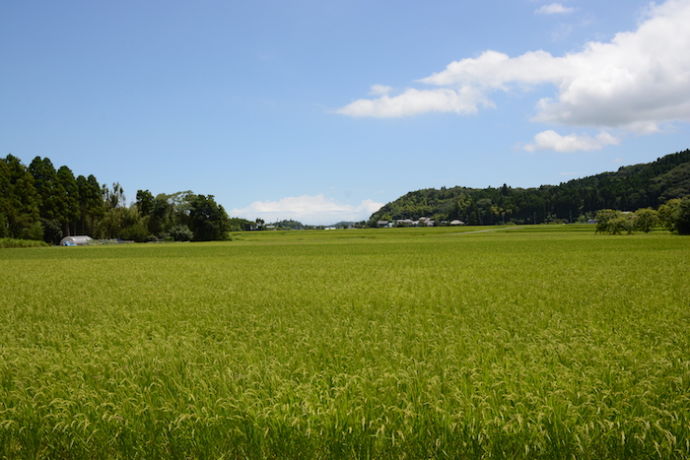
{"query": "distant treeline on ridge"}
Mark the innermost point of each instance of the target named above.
(629, 188)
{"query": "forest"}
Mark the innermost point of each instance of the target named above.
(40, 202)
(628, 189)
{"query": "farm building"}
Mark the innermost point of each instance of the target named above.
(82, 240)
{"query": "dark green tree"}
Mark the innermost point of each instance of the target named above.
(67, 185)
(144, 202)
(683, 217)
(207, 219)
(91, 204)
(21, 201)
(52, 207)
(4, 199)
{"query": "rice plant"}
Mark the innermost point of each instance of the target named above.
(543, 342)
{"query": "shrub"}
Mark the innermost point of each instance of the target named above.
(18, 243)
(181, 233)
(135, 232)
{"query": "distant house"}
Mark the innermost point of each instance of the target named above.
(383, 223)
(82, 240)
(457, 222)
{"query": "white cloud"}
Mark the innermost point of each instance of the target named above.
(551, 140)
(637, 80)
(379, 90)
(554, 8)
(413, 101)
(308, 209)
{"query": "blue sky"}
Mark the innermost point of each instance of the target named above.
(323, 110)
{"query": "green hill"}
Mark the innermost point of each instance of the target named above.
(630, 188)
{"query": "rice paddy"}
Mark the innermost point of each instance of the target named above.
(533, 342)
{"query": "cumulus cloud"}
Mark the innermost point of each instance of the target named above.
(414, 101)
(554, 8)
(551, 140)
(636, 81)
(379, 90)
(308, 209)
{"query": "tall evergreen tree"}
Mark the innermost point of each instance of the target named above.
(23, 218)
(67, 184)
(4, 199)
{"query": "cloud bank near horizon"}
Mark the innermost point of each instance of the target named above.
(635, 82)
(308, 209)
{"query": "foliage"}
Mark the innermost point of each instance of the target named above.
(40, 202)
(237, 224)
(288, 224)
(675, 215)
(628, 189)
(646, 219)
(683, 217)
(207, 219)
(616, 222)
(529, 342)
(18, 243)
(181, 233)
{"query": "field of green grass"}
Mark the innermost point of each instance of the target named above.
(531, 342)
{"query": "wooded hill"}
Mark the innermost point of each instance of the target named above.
(630, 188)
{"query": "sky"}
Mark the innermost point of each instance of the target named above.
(322, 111)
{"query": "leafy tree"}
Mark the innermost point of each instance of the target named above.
(207, 219)
(115, 196)
(144, 202)
(623, 222)
(162, 215)
(646, 219)
(615, 222)
(683, 217)
(669, 213)
(603, 217)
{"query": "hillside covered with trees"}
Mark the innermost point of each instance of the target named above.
(40, 202)
(630, 188)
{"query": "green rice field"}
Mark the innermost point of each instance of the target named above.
(522, 342)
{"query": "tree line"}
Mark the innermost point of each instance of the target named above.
(40, 202)
(674, 215)
(627, 189)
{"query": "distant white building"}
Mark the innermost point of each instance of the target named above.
(81, 240)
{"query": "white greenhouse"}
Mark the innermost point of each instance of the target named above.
(82, 240)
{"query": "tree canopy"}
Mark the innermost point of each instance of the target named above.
(42, 202)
